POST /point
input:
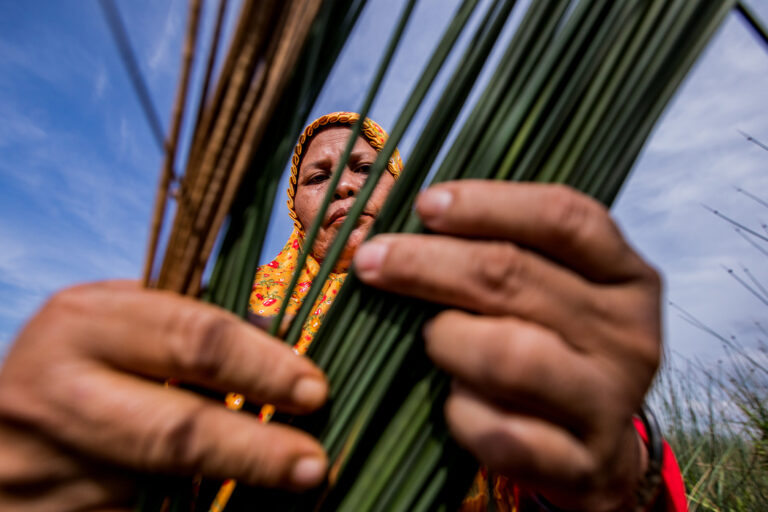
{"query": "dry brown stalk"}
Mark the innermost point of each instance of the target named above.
(210, 149)
(261, 57)
(189, 234)
(209, 113)
(298, 22)
(166, 175)
(200, 136)
(213, 49)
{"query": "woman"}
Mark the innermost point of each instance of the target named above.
(319, 148)
(315, 157)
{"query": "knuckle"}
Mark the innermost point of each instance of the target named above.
(84, 299)
(652, 277)
(574, 215)
(648, 353)
(641, 272)
(600, 305)
(501, 271)
(585, 472)
(68, 300)
(199, 342)
(30, 405)
(177, 444)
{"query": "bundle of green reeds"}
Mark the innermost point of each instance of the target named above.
(575, 95)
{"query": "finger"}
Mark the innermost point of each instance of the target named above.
(110, 284)
(80, 493)
(524, 448)
(160, 334)
(555, 220)
(520, 364)
(145, 426)
(22, 453)
(41, 475)
(265, 322)
(541, 456)
(494, 278)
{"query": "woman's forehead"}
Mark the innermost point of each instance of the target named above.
(331, 142)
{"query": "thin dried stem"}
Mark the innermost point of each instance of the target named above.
(120, 35)
(167, 174)
(296, 33)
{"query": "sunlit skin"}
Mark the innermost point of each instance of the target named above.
(317, 166)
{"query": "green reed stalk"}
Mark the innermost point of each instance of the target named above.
(617, 64)
(449, 105)
(578, 56)
(572, 100)
(409, 111)
(309, 240)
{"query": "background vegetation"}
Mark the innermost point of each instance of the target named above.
(716, 416)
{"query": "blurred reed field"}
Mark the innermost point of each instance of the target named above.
(715, 417)
(572, 101)
(716, 421)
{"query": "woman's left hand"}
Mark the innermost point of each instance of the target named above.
(554, 340)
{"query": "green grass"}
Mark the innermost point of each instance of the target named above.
(716, 421)
(716, 417)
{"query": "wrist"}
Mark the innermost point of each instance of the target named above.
(649, 487)
(642, 469)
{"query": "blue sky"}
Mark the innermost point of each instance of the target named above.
(78, 167)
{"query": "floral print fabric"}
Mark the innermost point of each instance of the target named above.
(269, 289)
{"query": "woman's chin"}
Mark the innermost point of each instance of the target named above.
(356, 238)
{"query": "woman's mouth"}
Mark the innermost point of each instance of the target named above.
(338, 218)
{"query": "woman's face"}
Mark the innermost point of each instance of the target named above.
(320, 160)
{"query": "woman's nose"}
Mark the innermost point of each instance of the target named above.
(348, 185)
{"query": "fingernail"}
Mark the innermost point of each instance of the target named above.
(427, 327)
(308, 471)
(310, 392)
(368, 259)
(426, 335)
(434, 201)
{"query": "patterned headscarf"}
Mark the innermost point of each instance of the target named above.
(370, 131)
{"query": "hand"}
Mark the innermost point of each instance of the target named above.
(555, 339)
(83, 407)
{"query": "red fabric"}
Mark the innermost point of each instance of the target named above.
(506, 495)
(673, 488)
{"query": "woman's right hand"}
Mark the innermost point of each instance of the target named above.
(83, 407)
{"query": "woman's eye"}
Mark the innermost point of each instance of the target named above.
(317, 178)
(365, 168)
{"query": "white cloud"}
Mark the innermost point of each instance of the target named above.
(162, 54)
(100, 83)
(18, 126)
(74, 205)
(696, 156)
